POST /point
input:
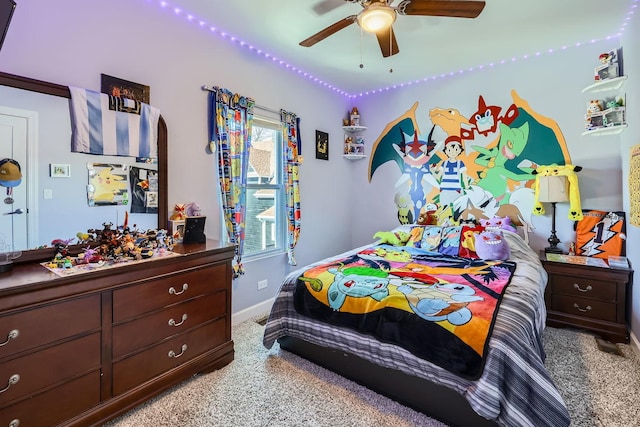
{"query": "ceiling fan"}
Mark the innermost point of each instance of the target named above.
(378, 16)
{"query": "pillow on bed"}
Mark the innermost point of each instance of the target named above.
(450, 242)
(491, 245)
(416, 237)
(498, 223)
(396, 238)
(431, 237)
(467, 240)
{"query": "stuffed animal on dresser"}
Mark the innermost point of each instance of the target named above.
(178, 212)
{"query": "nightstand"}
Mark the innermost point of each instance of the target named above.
(587, 297)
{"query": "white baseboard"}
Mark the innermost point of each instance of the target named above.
(250, 312)
(635, 344)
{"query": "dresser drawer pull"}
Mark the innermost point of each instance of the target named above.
(13, 379)
(584, 310)
(173, 353)
(578, 288)
(14, 423)
(12, 335)
(172, 290)
(173, 322)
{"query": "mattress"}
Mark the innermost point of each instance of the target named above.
(514, 389)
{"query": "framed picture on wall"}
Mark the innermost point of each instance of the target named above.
(322, 145)
(124, 89)
(57, 170)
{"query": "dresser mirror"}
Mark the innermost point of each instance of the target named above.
(52, 199)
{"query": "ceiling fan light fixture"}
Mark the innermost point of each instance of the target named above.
(376, 17)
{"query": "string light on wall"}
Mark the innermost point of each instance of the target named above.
(479, 68)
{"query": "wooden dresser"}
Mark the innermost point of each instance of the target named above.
(587, 297)
(82, 349)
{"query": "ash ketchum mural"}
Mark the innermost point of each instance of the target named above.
(481, 167)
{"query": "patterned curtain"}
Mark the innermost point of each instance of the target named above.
(231, 118)
(291, 151)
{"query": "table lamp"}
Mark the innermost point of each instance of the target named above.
(553, 189)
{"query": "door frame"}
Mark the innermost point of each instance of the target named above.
(30, 175)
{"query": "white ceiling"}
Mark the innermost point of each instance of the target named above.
(429, 46)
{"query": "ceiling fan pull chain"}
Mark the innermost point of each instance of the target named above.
(361, 63)
(391, 46)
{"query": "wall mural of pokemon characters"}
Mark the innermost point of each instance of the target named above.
(482, 167)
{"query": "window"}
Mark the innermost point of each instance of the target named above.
(265, 225)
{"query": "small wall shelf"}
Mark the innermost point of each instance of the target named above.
(354, 156)
(354, 128)
(611, 130)
(608, 84)
(353, 144)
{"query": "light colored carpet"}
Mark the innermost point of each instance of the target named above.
(276, 388)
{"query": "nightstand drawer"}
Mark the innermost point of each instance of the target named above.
(585, 307)
(583, 287)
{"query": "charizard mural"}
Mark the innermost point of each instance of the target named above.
(481, 168)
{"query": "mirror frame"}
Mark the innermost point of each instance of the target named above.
(33, 85)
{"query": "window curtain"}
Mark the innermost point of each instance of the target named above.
(231, 118)
(291, 151)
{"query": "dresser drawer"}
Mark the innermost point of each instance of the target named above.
(49, 366)
(144, 366)
(56, 405)
(583, 287)
(39, 326)
(152, 295)
(584, 307)
(142, 332)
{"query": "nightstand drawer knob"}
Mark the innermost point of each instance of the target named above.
(584, 310)
(577, 287)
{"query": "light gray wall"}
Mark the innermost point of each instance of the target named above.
(631, 137)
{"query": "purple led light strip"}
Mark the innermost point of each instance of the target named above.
(232, 39)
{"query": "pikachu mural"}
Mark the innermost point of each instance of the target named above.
(483, 167)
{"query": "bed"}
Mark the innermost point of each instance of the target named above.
(506, 383)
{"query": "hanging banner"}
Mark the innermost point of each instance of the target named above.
(634, 185)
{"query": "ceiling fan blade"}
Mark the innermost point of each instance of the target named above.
(326, 6)
(331, 29)
(388, 43)
(456, 9)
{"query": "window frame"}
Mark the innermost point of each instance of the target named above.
(279, 196)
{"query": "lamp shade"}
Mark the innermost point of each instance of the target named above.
(376, 17)
(553, 189)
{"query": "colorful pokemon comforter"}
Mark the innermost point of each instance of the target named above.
(514, 387)
(440, 308)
